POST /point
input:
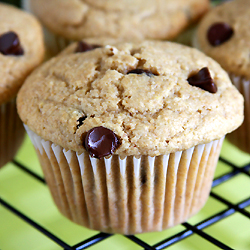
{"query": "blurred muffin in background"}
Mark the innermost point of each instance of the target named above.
(21, 50)
(224, 34)
(72, 20)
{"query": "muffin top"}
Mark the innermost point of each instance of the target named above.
(150, 98)
(21, 49)
(129, 19)
(224, 34)
(90, 43)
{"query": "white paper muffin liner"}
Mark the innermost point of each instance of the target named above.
(129, 195)
(11, 131)
(54, 43)
(241, 136)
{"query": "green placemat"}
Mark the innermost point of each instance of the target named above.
(33, 199)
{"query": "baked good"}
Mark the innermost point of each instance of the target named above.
(129, 135)
(89, 44)
(130, 20)
(21, 50)
(224, 35)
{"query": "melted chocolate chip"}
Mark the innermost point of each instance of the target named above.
(83, 47)
(80, 121)
(10, 44)
(101, 142)
(219, 33)
(140, 71)
(203, 80)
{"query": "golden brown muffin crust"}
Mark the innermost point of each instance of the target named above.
(152, 114)
(94, 41)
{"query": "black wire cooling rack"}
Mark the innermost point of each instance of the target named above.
(190, 229)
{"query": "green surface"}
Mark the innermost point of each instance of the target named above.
(33, 199)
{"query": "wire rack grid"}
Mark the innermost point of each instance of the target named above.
(231, 169)
(231, 208)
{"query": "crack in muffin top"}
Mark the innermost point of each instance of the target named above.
(139, 91)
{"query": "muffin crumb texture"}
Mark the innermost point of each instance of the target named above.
(138, 91)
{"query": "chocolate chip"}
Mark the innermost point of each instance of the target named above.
(10, 44)
(83, 47)
(219, 33)
(140, 71)
(101, 142)
(203, 80)
(80, 121)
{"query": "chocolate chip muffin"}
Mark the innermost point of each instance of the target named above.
(127, 20)
(224, 35)
(89, 44)
(129, 135)
(21, 50)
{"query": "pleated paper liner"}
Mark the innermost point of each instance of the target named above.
(241, 136)
(128, 195)
(11, 132)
